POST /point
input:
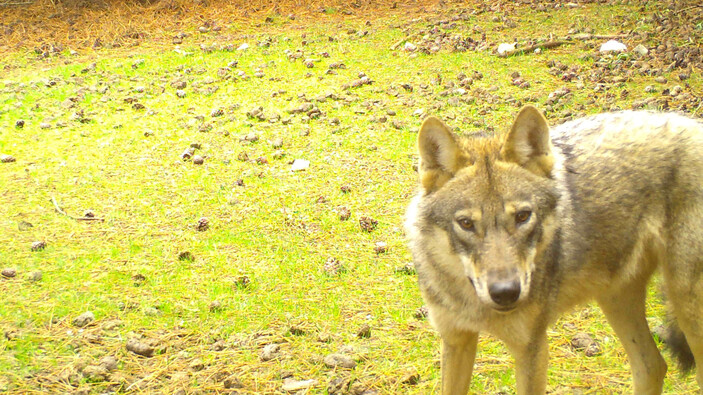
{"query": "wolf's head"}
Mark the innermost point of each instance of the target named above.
(495, 199)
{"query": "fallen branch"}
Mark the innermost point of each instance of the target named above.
(546, 45)
(56, 206)
(555, 43)
(599, 36)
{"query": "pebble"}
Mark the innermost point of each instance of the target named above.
(84, 319)
(339, 361)
(139, 348)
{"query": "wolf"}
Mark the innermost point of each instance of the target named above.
(509, 231)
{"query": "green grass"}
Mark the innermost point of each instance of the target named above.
(124, 164)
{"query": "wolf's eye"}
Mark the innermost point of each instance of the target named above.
(522, 216)
(465, 223)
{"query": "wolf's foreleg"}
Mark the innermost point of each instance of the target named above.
(625, 310)
(531, 361)
(458, 354)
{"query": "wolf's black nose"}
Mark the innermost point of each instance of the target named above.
(505, 293)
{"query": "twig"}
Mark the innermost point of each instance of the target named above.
(548, 44)
(687, 8)
(599, 36)
(56, 206)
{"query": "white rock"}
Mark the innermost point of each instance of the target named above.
(613, 46)
(505, 47)
(296, 385)
(243, 47)
(300, 164)
(640, 50)
(410, 47)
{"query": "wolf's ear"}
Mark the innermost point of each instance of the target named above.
(528, 143)
(440, 156)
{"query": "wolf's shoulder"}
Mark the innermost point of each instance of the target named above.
(625, 125)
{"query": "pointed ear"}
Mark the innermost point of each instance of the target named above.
(440, 156)
(528, 144)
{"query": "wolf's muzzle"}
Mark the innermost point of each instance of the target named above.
(505, 293)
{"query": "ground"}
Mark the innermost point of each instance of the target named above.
(204, 197)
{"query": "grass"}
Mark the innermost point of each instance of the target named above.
(101, 153)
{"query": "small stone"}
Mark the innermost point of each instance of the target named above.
(45, 125)
(180, 93)
(38, 245)
(35, 276)
(410, 47)
(89, 214)
(380, 247)
(338, 386)
(339, 361)
(250, 137)
(198, 160)
(84, 319)
(292, 385)
(219, 345)
(196, 365)
(215, 306)
(421, 313)
(367, 224)
(364, 332)
(300, 164)
(661, 80)
(242, 282)
(333, 267)
(410, 378)
(262, 160)
(343, 213)
(232, 382)
(109, 362)
(408, 268)
(277, 143)
(504, 48)
(269, 352)
(188, 153)
(19, 124)
(7, 158)
(640, 50)
(9, 272)
(582, 341)
(297, 330)
(139, 348)
(613, 46)
(95, 373)
(202, 225)
(12, 334)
